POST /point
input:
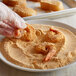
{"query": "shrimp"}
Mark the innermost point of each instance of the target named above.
(29, 33)
(50, 54)
(13, 2)
(57, 32)
(19, 33)
(47, 49)
(53, 36)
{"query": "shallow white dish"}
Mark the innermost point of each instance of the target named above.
(48, 22)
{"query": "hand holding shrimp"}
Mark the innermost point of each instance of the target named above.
(10, 22)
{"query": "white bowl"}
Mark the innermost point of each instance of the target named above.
(48, 22)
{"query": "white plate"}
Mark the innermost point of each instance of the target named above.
(48, 22)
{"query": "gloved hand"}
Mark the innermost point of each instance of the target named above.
(11, 24)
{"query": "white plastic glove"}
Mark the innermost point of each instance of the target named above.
(10, 21)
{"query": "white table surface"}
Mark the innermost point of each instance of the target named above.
(6, 70)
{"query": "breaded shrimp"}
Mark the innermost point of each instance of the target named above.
(29, 33)
(51, 5)
(13, 2)
(53, 36)
(23, 11)
(47, 49)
